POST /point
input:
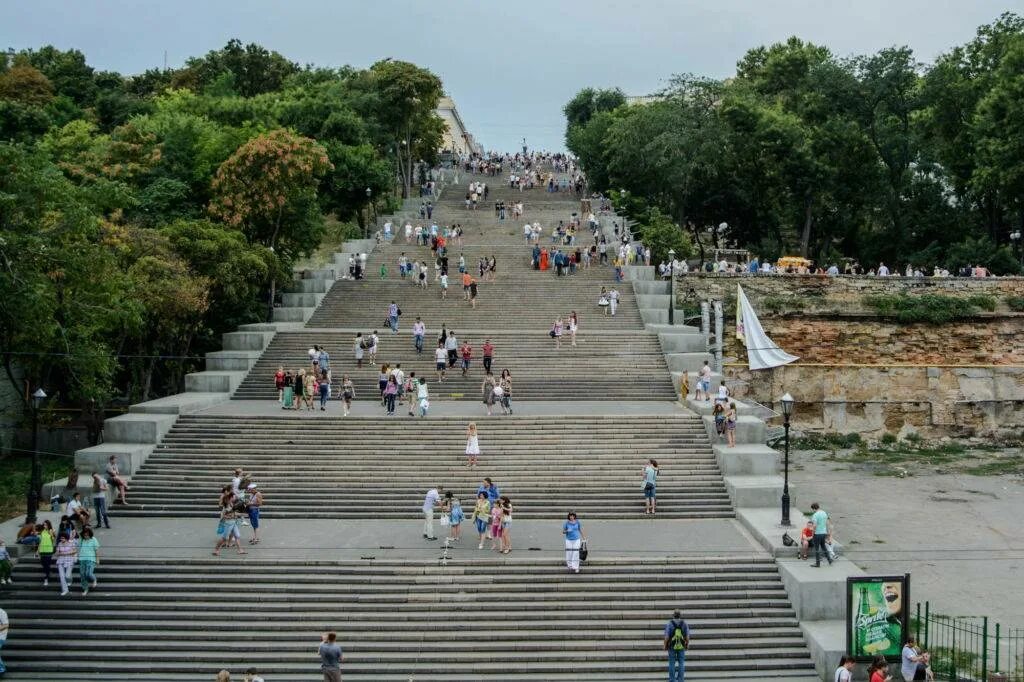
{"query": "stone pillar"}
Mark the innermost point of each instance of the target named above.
(719, 335)
(705, 324)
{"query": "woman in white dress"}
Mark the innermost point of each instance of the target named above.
(574, 324)
(472, 444)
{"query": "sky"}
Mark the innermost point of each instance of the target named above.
(509, 65)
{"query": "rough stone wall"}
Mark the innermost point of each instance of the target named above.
(931, 400)
(860, 339)
(841, 294)
(859, 372)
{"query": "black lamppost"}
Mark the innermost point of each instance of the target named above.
(671, 286)
(787, 411)
(36, 484)
(369, 193)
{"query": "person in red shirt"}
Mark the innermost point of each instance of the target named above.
(466, 281)
(806, 537)
(488, 355)
(467, 355)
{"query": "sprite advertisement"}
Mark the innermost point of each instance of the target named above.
(876, 615)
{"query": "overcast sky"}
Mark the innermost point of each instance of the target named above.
(509, 64)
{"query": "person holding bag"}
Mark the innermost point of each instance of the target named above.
(574, 540)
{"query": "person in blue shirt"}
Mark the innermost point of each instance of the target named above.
(490, 489)
(574, 538)
(677, 639)
(821, 532)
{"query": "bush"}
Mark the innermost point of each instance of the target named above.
(1015, 303)
(827, 441)
(928, 308)
(888, 439)
(983, 301)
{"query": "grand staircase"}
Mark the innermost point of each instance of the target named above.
(162, 614)
(153, 619)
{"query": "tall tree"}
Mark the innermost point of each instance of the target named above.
(267, 188)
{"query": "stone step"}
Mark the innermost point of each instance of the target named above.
(153, 617)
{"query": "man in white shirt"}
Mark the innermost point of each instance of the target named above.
(76, 509)
(883, 270)
(913, 666)
(408, 233)
(432, 500)
(527, 232)
(387, 231)
(833, 270)
(419, 330)
(613, 301)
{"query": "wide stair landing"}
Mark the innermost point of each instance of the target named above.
(166, 619)
(602, 366)
(377, 468)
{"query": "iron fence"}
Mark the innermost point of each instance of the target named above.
(970, 648)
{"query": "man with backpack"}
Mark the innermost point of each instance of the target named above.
(677, 640)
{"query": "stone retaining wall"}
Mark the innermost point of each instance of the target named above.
(861, 339)
(817, 293)
(931, 400)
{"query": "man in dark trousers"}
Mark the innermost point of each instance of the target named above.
(677, 639)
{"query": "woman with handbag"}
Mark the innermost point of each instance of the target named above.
(574, 539)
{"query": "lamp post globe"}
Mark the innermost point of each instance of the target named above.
(787, 412)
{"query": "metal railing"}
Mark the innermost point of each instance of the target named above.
(970, 647)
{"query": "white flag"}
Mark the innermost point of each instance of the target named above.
(762, 352)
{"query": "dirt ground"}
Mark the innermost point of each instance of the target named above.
(959, 534)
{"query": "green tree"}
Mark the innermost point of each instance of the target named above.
(26, 84)
(63, 293)
(267, 189)
(999, 126)
(254, 69)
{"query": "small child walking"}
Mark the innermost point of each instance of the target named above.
(456, 517)
(472, 444)
(383, 271)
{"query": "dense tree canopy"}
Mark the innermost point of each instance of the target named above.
(142, 216)
(874, 157)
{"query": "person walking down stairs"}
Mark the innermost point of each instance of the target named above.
(574, 537)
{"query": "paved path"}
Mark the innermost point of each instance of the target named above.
(960, 536)
(404, 539)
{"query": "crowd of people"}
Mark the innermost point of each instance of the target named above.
(755, 266)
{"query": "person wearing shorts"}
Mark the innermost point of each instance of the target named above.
(441, 361)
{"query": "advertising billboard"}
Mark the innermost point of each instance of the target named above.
(877, 615)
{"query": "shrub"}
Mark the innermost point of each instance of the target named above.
(983, 301)
(888, 439)
(928, 308)
(827, 441)
(1015, 303)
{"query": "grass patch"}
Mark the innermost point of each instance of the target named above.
(914, 456)
(828, 441)
(16, 474)
(1015, 303)
(928, 308)
(998, 467)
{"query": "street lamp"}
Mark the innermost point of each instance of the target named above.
(787, 411)
(36, 484)
(671, 286)
(369, 193)
(1015, 238)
